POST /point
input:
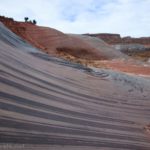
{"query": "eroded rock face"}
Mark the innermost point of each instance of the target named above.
(141, 40)
(117, 39)
(47, 101)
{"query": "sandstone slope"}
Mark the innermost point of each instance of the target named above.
(49, 103)
(55, 42)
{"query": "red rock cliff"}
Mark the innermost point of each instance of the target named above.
(117, 39)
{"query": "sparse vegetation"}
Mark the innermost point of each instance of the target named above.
(34, 22)
(26, 19)
(30, 21)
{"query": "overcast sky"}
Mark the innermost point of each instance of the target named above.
(126, 17)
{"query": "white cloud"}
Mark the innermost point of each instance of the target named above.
(127, 17)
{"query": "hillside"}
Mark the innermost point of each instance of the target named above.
(86, 50)
(138, 48)
(54, 42)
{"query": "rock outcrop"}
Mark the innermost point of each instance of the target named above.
(108, 38)
(138, 48)
(50, 103)
(117, 39)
